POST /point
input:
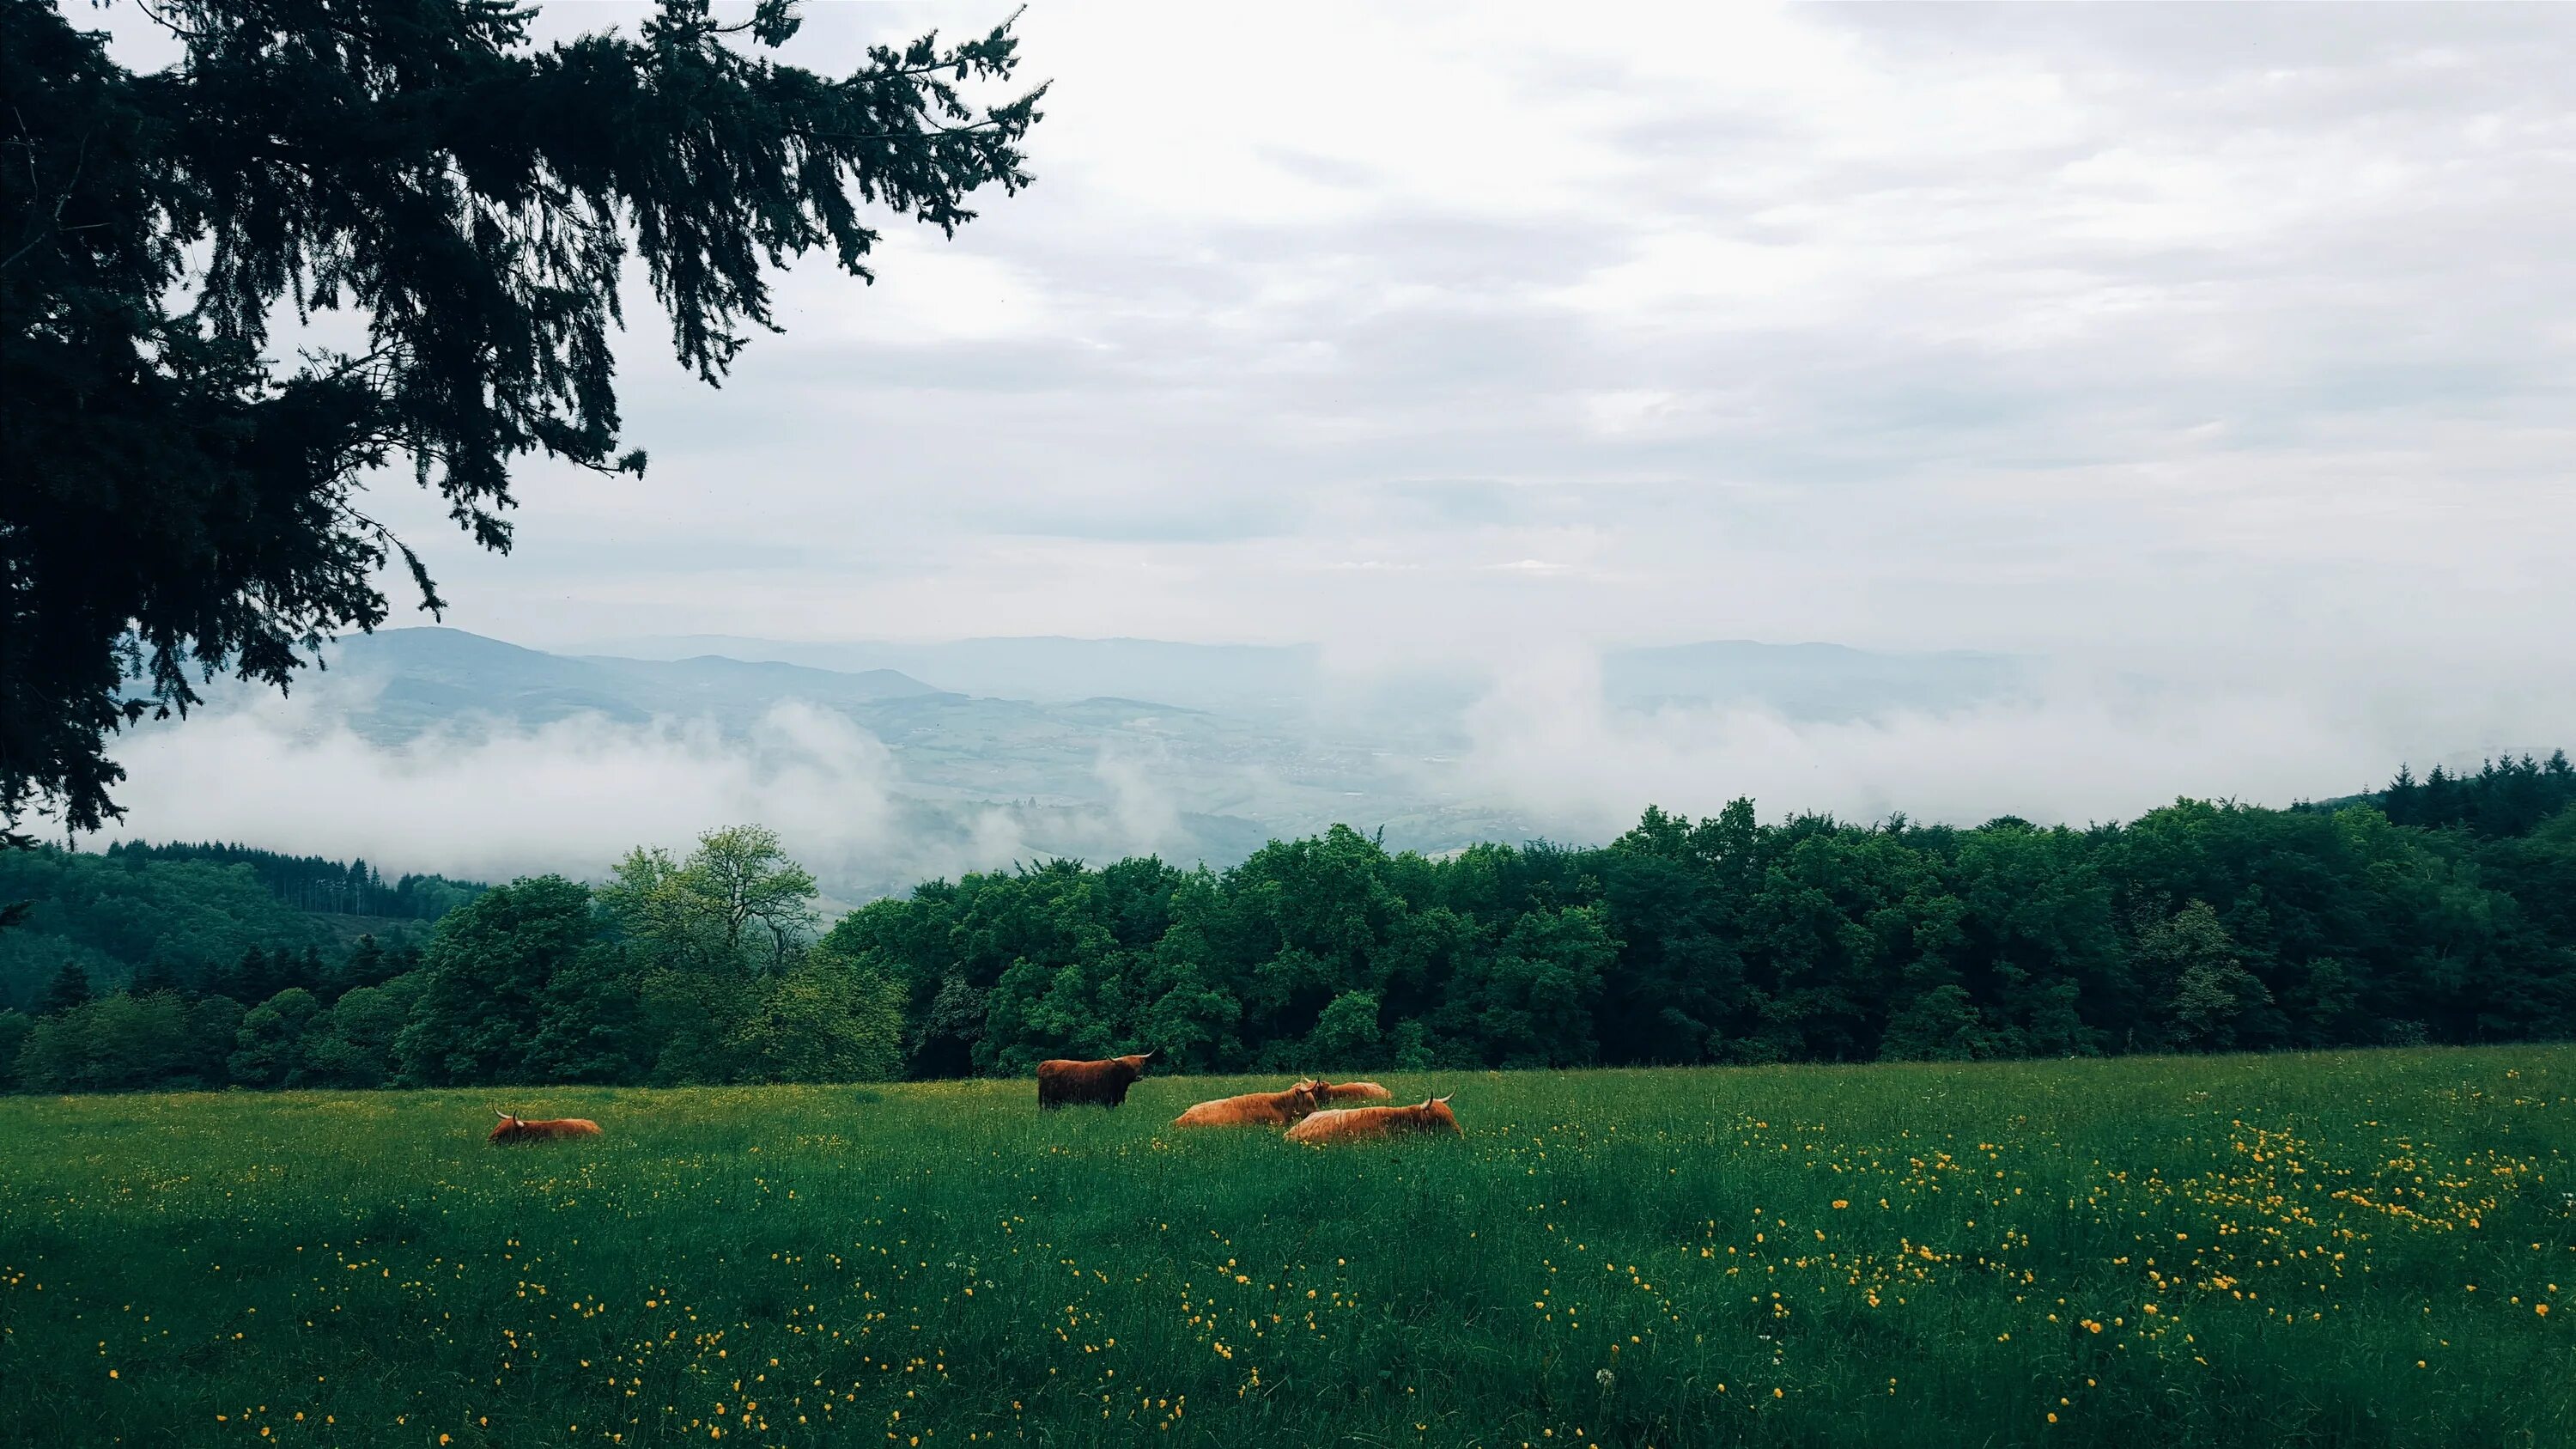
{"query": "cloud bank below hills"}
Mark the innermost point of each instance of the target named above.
(573, 795)
(1543, 745)
(2085, 744)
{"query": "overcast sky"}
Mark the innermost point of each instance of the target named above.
(2233, 347)
(2065, 328)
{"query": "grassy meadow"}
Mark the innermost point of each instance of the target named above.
(2364, 1248)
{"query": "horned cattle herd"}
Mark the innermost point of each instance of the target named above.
(1308, 1109)
(1305, 1109)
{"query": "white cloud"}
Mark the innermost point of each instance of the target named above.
(490, 801)
(2090, 745)
(925, 293)
(572, 795)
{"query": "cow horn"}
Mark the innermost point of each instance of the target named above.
(1444, 1100)
(497, 1112)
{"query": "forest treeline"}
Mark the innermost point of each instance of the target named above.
(2441, 910)
(319, 883)
(186, 913)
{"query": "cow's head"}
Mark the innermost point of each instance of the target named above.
(1134, 1066)
(1307, 1097)
(1435, 1116)
(511, 1128)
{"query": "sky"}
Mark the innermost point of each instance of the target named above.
(1909, 327)
(2230, 343)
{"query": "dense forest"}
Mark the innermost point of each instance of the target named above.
(2440, 910)
(317, 883)
(2505, 797)
(189, 912)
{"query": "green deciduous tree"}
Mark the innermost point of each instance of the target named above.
(736, 904)
(268, 1045)
(352, 1043)
(827, 1020)
(1347, 1034)
(1530, 1002)
(943, 1043)
(1939, 1025)
(759, 902)
(2214, 998)
(490, 965)
(214, 1024)
(117, 1043)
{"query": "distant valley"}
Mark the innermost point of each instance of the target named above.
(1089, 748)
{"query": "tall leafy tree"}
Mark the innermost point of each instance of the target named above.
(268, 1046)
(737, 903)
(589, 1021)
(453, 207)
(490, 967)
(758, 900)
(2213, 1001)
(826, 1021)
(351, 1044)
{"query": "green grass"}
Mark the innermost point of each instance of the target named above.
(2338, 1249)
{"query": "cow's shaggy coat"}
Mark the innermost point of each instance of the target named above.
(1100, 1084)
(1353, 1124)
(1255, 1109)
(520, 1129)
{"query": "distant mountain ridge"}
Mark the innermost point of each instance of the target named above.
(433, 676)
(1802, 681)
(1066, 746)
(1040, 668)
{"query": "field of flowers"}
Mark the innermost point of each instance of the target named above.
(2363, 1248)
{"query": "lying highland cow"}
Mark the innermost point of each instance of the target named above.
(1255, 1109)
(520, 1129)
(1352, 1124)
(1355, 1092)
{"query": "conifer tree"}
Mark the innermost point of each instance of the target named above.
(469, 200)
(68, 990)
(155, 976)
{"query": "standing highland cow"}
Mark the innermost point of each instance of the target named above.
(1100, 1084)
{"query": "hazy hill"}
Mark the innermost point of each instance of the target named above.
(1078, 747)
(428, 677)
(1042, 668)
(1801, 681)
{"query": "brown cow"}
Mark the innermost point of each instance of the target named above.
(520, 1129)
(1351, 1124)
(1255, 1109)
(1073, 1084)
(1356, 1092)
